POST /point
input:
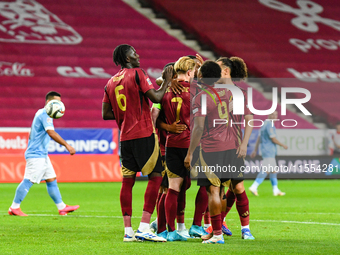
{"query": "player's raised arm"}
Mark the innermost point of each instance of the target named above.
(156, 95)
(56, 137)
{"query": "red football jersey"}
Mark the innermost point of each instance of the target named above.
(215, 135)
(177, 107)
(125, 91)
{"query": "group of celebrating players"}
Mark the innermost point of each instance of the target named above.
(191, 96)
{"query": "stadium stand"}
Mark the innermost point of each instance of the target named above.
(30, 69)
(277, 39)
(75, 58)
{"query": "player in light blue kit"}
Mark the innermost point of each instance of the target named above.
(267, 139)
(38, 164)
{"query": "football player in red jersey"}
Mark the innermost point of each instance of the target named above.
(201, 201)
(212, 138)
(177, 107)
(234, 69)
(158, 118)
(126, 100)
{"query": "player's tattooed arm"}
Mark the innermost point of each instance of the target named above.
(107, 112)
(156, 95)
(56, 137)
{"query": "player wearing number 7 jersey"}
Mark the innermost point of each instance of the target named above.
(126, 99)
(176, 107)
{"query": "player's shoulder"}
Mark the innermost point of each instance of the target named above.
(199, 95)
(41, 113)
(139, 71)
(244, 91)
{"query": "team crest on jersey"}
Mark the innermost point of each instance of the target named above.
(27, 21)
(148, 80)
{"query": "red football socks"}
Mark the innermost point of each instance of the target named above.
(216, 224)
(201, 204)
(126, 200)
(181, 205)
(230, 200)
(161, 218)
(171, 208)
(242, 206)
(151, 193)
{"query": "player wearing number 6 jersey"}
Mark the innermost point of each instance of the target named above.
(126, 99)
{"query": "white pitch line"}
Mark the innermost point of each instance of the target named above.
(300, 222)
(119, 217)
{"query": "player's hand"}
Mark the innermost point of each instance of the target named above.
(71, 150)
(176, 128)
(242, 151)
(285, 147)
(200, 60)
(159, 81)
(176, 87)
(253, 154)
(167, 73)
(187, 161)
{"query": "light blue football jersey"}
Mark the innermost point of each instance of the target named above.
(39, 139)
(268, 148)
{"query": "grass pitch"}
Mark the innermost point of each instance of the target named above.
(305, 221)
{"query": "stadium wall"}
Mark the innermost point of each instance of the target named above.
(97, 157)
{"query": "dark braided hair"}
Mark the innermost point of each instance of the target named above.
(119, 54)
(238, 69)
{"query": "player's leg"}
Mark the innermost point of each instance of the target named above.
(20, 194)
(181, 202)
(225, 210)
(206, 218)
(214, 189)
(150, 198)
(129, 169)
(171, 204)
(161, 216)
(259, 179)
(153, 225)
(177, 173)
(53, 190)
(126, 205)
(34, 170)
(201, 206)
(215, 208)
(242, 206)
(147, 155)
(273, 176)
